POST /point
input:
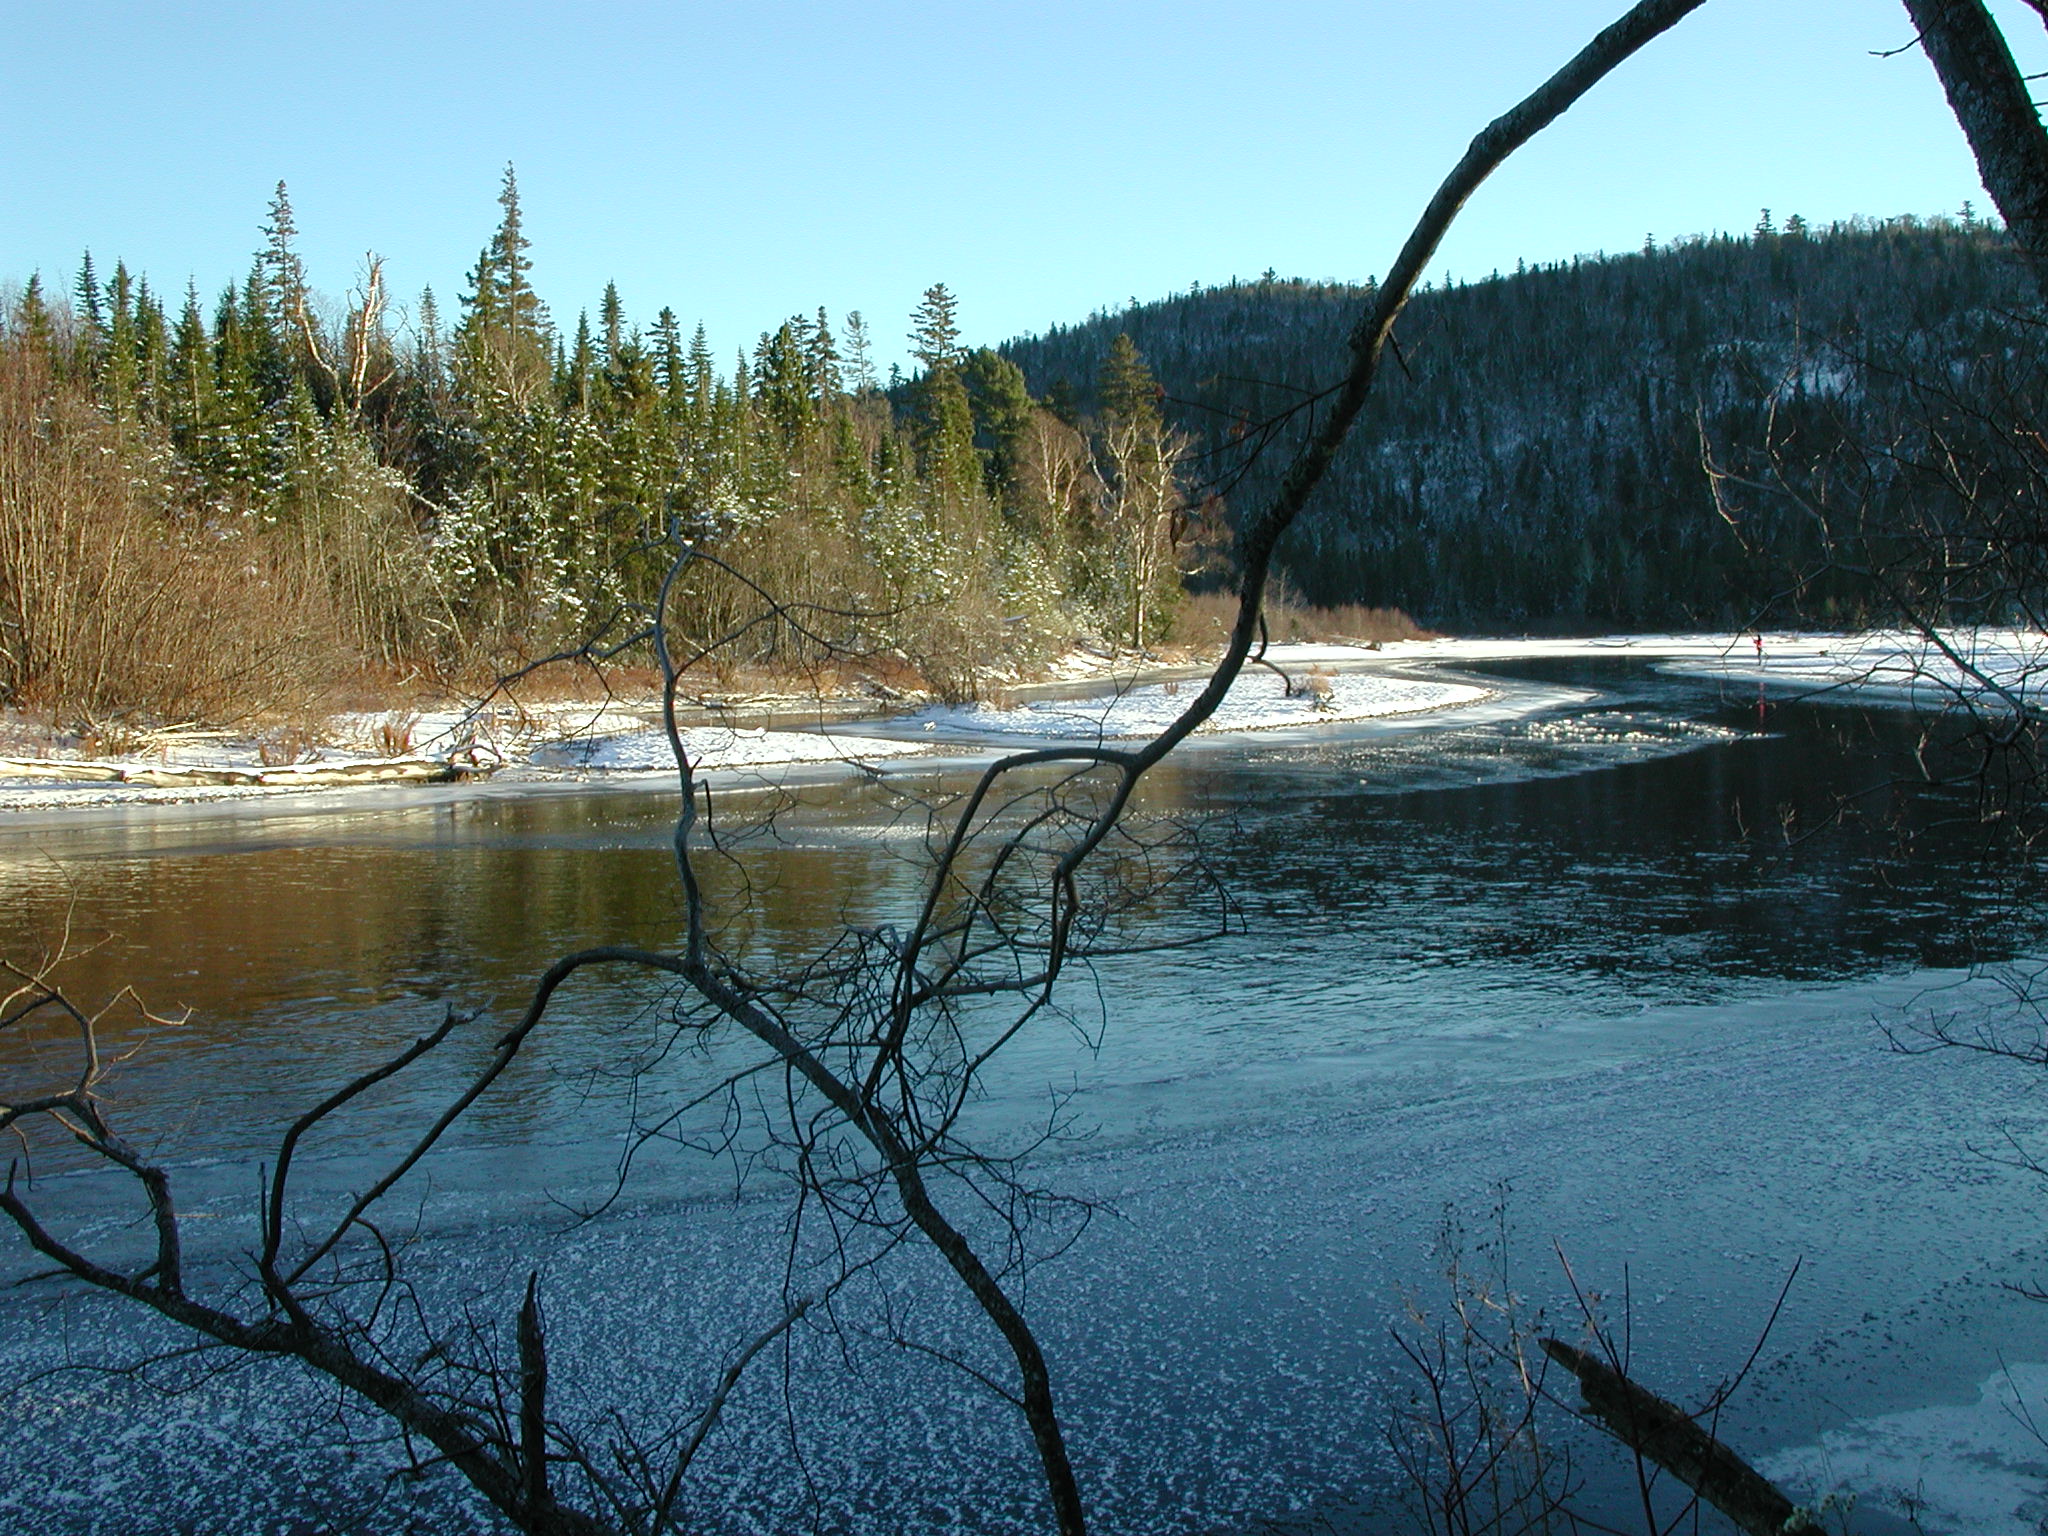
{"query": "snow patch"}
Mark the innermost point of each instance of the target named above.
(1976, 1467)
(1259, 701)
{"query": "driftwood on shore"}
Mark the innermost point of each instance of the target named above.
(405, 770)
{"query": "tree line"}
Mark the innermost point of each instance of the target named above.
(466, 491)
(1544, 453)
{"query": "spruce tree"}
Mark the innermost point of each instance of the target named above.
(284, 274)
(190, 402)
(92, 330)
(582, 366)
(117, 378)
(612, 320)
(32, 319)
(503, 339)
(822, 360)
(671, 368)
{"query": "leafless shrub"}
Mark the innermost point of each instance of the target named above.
(1468, 1436)
(120, 598)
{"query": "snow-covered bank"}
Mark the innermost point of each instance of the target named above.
(1888, 663)
(1325, 685)
(1260, 701)
(597, 741)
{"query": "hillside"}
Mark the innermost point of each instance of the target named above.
(1534, 459)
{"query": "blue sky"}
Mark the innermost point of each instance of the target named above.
(745, 162)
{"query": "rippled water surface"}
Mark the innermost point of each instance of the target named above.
(1624, 954)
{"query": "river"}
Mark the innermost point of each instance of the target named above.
(1604, 964)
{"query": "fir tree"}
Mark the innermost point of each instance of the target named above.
(612, 319)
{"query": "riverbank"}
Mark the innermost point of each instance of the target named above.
(1090, 698)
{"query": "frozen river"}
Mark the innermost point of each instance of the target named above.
(1552, 951)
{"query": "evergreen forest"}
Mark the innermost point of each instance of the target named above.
(212, 506)
(218, 507)
(1714, 433)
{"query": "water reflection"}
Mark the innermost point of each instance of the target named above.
(1397, 886)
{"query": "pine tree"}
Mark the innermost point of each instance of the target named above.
(934, 329)
(284, 274)
(859, 354)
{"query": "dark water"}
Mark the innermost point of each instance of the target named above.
(1653, 846)
(1638, 877)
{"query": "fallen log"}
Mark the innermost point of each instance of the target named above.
(33, 768)
(1669, 1436)
(375, 771)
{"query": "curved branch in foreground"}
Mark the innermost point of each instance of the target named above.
(884, 1089)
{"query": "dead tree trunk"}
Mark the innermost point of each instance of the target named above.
(1667, 1435)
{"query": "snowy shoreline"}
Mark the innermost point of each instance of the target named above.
(531, 749)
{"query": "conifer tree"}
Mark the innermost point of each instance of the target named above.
(152, 352)
(117, 379)
(32, 319)
(89, 345)
(703, 373)
(783, 383)
(428, 365)
(612, 319)
(190, 397)
(503, 342)
(859, 354)
(284, 274)
(935, 330)
(821, 359)
(581, 370)
(88, 296)
(671, 368)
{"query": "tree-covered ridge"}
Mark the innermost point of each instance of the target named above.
(1536, 456)
(459, 494)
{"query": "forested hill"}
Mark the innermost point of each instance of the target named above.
(1534, 457)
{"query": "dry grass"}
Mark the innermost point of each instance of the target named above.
(1204, 619)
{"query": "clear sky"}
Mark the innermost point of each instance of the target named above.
(743, 162)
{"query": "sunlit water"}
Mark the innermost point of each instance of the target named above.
(1626, 957)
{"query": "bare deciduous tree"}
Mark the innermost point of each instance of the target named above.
(876, 1044)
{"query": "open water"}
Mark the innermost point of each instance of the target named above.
(1604, 967)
